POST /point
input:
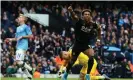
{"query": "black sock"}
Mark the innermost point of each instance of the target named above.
(74, 58)
(90, 64)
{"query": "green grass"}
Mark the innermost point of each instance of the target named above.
(52, 79)
(35, 79)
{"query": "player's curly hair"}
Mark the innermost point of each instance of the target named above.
(86, 10)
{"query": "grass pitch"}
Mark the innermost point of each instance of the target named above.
(10, 78)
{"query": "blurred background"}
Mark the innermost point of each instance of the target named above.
(114, 53)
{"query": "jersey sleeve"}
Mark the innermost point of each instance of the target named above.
(28, 30)
(77, 25)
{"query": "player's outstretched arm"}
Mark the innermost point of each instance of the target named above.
(10, 39)
(74, 16)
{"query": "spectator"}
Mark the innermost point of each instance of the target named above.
(32, 10)
(131, 66)
(4, 67)
(113, 58)
(126, 20)
(125, 68)
(52, 67)
(45, 68)
(121, 21)
(100, 67)
(113, 41)
(131, 46)
(11, 69)
(108, 38)
(24, 10)
(36, 74)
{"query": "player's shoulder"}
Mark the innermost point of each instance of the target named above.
(80, 20)
(82, 54)
(26, 26)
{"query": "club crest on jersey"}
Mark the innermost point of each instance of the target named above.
(85, 29)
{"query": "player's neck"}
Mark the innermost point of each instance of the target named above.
(22, 23)
(88, 21)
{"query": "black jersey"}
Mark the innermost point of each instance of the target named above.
(85, 33)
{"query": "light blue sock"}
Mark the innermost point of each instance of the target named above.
(65, 76)
(87, 77)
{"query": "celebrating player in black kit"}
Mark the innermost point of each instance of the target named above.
(86, 33)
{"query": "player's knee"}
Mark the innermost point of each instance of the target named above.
(19, 62)
(82, 76)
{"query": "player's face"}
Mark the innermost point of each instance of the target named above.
(65, 55)
(21, 19)
(86, 16)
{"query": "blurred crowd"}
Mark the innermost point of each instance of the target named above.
(117, 30)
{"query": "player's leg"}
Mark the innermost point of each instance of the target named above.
(92, 71)
(70, 64)
(90, 53)
(87, 68)
(83, 59)
(97, 77)
(90, 65)
(83, 73)
(20, 54)
(92, 68)
(91, 76)
(82, 76)
(75, 55)
(100, 77)
(76, 62)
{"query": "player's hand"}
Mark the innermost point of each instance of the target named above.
(70, 9)
(59, 74)
(19, 38)
(8, 40)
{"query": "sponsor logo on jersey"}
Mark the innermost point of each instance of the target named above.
(85, 29)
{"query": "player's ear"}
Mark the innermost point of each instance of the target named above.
(25, 19)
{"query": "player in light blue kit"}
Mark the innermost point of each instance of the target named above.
(23, 33)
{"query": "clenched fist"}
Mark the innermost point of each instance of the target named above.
(70, 8)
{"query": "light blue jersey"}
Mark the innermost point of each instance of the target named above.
(23, 30)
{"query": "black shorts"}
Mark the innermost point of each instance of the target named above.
(78, 47)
